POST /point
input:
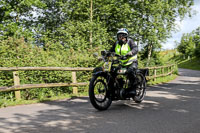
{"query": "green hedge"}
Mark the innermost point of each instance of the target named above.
(18, 53)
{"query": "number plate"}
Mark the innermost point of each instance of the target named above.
(122, 71)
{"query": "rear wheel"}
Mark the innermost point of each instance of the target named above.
(98, 93)
(140, 88)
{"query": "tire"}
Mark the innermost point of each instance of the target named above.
(98, 93)
(140, 88)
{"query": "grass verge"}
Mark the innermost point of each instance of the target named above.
(193, 64)
(6, 103)
(162, 80)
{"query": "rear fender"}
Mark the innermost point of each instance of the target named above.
(145, 72)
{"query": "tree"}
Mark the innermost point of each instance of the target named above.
(14, 16)
(196, 40)
(80, 22)
(190, 43)
(156, 20)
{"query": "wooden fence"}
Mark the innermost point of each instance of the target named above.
(154, 73)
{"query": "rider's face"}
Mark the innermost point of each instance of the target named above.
(122, 38)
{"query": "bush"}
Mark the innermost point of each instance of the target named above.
(197, 51)
(18, 53)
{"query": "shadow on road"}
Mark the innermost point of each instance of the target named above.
(74, 116)
(166, 105)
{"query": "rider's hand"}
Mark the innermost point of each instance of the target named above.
(129, 54)
(100, 58)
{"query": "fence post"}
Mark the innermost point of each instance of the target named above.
(167, 69)
(171, 69)
(155, 74)
(163, 72)
(75, 89)
(17, 82)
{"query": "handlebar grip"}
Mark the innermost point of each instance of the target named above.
(117, 55)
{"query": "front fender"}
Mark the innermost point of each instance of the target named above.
(100, 73)
(108, 77)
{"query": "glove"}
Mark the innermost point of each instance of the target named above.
(129, 54)
(100, 58)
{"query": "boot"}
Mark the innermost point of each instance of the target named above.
(132, 93)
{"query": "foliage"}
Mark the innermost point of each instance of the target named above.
(149, 21)
(187, 45)
(65, 33)
(16, 52)
(163, 80)
(14, 16)
(197, 51)
(190, 44)
(193, 64)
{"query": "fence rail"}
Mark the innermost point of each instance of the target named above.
(46, 68)
(17, 86)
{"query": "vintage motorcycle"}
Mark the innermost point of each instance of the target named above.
(110, 82)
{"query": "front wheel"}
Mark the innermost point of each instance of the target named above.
(98, 93)
(140, 88)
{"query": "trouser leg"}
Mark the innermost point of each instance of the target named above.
(132, 76)
(132, 70)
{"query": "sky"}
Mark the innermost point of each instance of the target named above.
(185, 26)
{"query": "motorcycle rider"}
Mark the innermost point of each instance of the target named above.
(125, 46)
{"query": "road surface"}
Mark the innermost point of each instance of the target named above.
(173, 107)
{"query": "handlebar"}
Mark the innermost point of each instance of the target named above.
(106, 54)
(121, 57)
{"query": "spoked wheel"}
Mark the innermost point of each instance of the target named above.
(98, 93)
(140, 88)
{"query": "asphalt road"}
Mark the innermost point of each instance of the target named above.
(173, 107)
